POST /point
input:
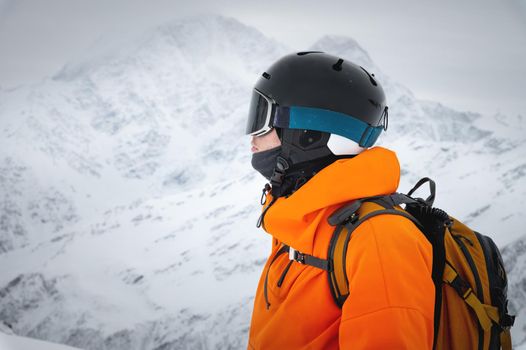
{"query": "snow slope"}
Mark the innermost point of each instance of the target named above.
(128, 204)
(12, 342)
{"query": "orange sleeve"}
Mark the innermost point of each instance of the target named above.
(392, 295)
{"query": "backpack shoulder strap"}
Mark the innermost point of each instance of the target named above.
(347, 219)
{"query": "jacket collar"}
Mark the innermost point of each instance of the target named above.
(293, 220)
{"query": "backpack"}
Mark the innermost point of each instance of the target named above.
(468, 272)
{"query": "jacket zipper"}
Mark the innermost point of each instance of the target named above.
(265, 291)
(263, 213)
(282, 277)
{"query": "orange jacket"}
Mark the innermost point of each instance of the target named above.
(389, 262)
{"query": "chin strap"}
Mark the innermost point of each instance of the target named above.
(282, 165)
(278, 176)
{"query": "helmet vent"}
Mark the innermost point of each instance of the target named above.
(371, 77)
(338, 65)
(303, 53)
(266, 75)
(374, 103)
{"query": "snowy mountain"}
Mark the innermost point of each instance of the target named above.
(128, 204)
(9, 341)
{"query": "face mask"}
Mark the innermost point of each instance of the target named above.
(264, 162)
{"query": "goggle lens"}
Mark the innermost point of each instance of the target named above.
(259, 114)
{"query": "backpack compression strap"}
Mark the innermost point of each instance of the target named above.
(486, 314)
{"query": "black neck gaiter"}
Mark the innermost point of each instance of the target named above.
(264, 162)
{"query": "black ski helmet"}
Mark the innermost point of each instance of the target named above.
(309, 96)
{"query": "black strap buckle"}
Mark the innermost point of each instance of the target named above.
(296, 256)
(306, 259)
(279, 171)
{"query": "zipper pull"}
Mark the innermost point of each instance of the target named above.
(262, 216)
(264, 194)
(263, 201)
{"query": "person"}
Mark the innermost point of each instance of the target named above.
(314, 119)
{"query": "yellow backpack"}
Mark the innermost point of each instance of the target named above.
(468, 272)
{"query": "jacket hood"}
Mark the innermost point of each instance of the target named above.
(293, 220)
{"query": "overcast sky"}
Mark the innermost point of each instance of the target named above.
(467, 54)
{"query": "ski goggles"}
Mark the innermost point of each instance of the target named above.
(265, 114)
(260, 114)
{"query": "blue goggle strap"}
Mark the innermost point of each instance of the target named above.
(295, 117)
